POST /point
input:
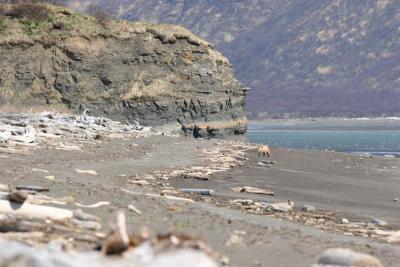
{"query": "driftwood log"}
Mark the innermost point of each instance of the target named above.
(34, 211)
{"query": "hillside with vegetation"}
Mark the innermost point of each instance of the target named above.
(300, 58)
(156, 74)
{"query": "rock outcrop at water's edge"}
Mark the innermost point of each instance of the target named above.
(159, 75)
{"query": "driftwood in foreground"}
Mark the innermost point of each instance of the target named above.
(34, 211)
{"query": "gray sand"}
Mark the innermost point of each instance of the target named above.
(360, 188)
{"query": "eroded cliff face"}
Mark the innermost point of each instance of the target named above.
(159, 75)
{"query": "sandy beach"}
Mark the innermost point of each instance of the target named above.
(358, 189)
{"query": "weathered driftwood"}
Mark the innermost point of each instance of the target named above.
(54, 229)
(118, 241)
(253, 190)
(11, 223)
(60, 130)
(83, 216)
(145, 255)
(4, 136)
(4, 188)
(90, 172)
(34, 211)
(174, 198)
(134, 209)
(32, 188)
(347, 258)
(95, 205)
(205, 192)
(91, 225)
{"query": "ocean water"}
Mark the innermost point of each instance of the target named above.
(360, 136)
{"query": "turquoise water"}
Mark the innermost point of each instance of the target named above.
(348, 137)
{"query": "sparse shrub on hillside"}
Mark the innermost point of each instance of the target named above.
(2, 24)
(102, 16)
(17, 2)
(30, 9)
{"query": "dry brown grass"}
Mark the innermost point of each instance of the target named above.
(22, 108)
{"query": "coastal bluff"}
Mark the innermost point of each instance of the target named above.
(157, 74)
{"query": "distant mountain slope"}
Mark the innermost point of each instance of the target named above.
(300, 57)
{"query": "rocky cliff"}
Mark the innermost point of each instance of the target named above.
(300, 57)
(155, 74)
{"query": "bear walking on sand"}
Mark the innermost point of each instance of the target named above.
(264, 150)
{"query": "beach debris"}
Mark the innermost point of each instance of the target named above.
(18, 196)
(4, 136)
(50, 177)
(173, 208)
(235, 240)
(20, 132)
(33, 197)
(118, 241)
(172, 198)
(89, 172)
(39, 170)
(345, 221)
(163, 251)
(346, 258)
(379, 222)
(282, 206)
(134, 209)
(245, 202)
(139, 182)
(32, 188)
(4, 188)
(34, 211)
(204, 192)
(83, 216)
(199, 177)
(308, 208)
(95, 205)
(168, 197)
(270, 162)
(253, 190)
(169, 191)
(389, 236)
(262, 164)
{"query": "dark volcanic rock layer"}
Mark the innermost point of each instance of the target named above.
(159, 75)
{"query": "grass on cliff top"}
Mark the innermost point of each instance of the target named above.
(60, 23)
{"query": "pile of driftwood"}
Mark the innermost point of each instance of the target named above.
(24, 217)
(19, 132)
(221, 157)
(53, 236)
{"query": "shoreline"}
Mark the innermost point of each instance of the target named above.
(393, 118)
(149, 172)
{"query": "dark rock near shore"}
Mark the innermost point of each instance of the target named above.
(158, 75)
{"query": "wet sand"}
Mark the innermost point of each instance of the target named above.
(360, 188)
